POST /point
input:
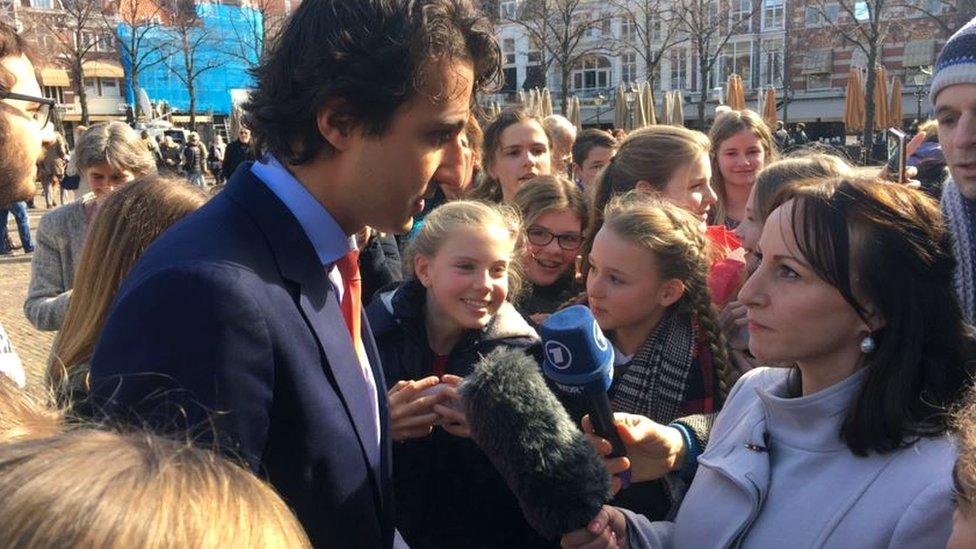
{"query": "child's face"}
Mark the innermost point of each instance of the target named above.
(740, 158)
(624, 288)
(544, 265)
(691, 188)
(523, 153)
(964, 519)
(467, 280)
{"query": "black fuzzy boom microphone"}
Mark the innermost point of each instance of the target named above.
(555, 474)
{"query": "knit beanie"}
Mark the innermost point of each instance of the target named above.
(957, 61)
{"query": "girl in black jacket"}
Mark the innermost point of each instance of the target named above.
(431, 330)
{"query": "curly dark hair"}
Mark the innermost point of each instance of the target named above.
(366, 58)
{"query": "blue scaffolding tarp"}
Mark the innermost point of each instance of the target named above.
(231, 36)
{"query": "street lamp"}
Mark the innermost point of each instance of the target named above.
(599, 100)
(921, 83)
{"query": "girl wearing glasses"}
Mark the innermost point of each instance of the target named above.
(430, 330)
(554, 215)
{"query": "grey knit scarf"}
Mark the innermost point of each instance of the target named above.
(960, 216)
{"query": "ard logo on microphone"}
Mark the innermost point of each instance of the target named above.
(558, 355)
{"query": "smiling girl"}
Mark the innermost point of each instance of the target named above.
(516, 148)
(430, 331)
(741, 146)
(554, 214)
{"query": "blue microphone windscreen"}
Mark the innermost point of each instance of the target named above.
(577, 354)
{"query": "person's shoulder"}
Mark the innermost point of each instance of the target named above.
(64, 217)
(510, 327)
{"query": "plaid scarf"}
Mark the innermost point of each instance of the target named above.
(655, 383)
(960, 216)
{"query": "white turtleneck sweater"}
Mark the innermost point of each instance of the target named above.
(777, 474)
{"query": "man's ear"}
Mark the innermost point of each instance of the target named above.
(334, 123)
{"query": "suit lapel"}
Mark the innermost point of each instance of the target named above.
(298, 262)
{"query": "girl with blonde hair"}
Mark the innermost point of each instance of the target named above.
(430, 331)
(126, 224)
(647, 289)
(741, 145)
(94, 488)
(671, 163)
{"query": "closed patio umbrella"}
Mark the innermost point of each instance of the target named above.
(620, 109)
(736, 97)
(546, 103)
(769, 107)
(853, 102)
(895, 115)
(678, 118)
(647, 98)
(880, 99)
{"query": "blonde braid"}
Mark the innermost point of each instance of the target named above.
(675, 237)
(700, 301)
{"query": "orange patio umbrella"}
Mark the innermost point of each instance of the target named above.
(854, 102)
(736, 95)
(895, 115)
(769, 108)
(880, 99)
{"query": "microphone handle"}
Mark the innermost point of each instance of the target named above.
(601, 417)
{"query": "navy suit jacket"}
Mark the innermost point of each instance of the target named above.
(228, 325)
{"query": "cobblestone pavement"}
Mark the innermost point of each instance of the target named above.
(32, 345)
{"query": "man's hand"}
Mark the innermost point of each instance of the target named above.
(653, 450)
(413, 416)
(607, 530)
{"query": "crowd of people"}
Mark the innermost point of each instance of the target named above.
(281, 362)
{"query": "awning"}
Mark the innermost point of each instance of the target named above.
(52, 76)
(102, 69)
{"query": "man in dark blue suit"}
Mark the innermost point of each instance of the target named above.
(242, 323)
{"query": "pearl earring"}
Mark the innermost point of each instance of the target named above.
(868, 345)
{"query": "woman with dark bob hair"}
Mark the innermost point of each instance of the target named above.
(850, 446)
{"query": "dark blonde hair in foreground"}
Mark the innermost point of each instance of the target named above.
(127, 222)
(681, 252)
(24, 416)
(103, 489)
(653, 154)
(454, 217)
(725, 126)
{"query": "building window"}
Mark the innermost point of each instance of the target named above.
(508, 50)
(534, 55)
(42, 4)
(737, 59)
(627, 29)
(771, 71)
(861, 11)
(628, 67)
(91, 87)
(54, 92)
(772, 17)
(106, 43)
(740, 13)
(919, 53)
(110, 87)
(820, 16)
(508, 9)
(818, 62)
(593, 73)
(679, 69)
(818, 81)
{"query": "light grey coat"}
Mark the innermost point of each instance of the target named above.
(777, 474)
(60, 238)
